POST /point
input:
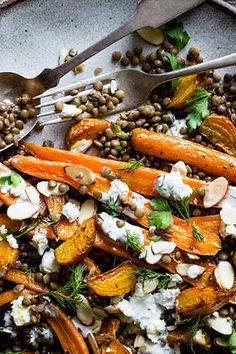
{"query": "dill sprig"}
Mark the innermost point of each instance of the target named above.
(28, 225)
(193, 326)
(111, 208)
(30, 271)
(68, 296)
(132, 166)
(183, 209)
(133, 241)
(147, 274)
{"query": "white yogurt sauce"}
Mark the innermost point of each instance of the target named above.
(110, 228)
(171, 185)
(117, 189)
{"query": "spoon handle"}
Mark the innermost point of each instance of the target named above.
(151, 13)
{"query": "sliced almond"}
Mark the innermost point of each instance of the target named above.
(70, 110)
(87, 210)
(190, 270)
(151, 35)
(150, 285)
(180, 167)
(215, 192)
(22, 210)
(224, 274)
(85, 312)
(220, 324)
(163, 247)
(193, 256)
(32, 194)
(82, 174)
(42, 187)
(228, 215)
(152, 258)
(139, 341)
(81, 145)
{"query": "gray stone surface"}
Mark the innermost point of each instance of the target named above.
(33, 32)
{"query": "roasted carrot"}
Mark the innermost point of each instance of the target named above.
(134, 180)
(185, 89)
(180, 230)
(55, 203)
(8, 255)
(208, 222)
(174, 149)
(9, 223)
(19, 277)
(70, 338)
(88, 128)
(11, 295)
(114, 347)
(202, 301)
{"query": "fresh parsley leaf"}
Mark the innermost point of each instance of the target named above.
(156, 238)
(160, 204)
(177, 35)
(175, 66)
(197, 108)
(133, 166)
(13, 179)
(160, 219)
(232, 342)
(133, 241)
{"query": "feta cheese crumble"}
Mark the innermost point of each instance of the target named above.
(171, 185)
(12, 241)
(146, 310)
(71, 211)
(40, 239)
(49, 263)
(110, 228)
(20, 313)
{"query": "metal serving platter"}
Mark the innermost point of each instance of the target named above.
(33, 32)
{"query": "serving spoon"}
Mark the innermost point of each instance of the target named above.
(149, 13)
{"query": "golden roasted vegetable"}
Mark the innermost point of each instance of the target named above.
(65, 229)
(114, 347)
(115, 282)
(221, 132)
(108, 331)
(185, 89)
(77, 246)
(10, 295)
(55, 204)
(202, 301)
(8, 255)
(180, 335)
(88, 128)
(91, 266)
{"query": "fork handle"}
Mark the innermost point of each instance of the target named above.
(223, 62)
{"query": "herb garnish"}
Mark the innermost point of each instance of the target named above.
(4, 330)
(133, 241)
(116, 128)
(177, 35)
(111, 208)
(132, 166)
(28, 225)
(232, 342)
(175, 66)
(156, 238)
(162, 217)
(197, 108)
(193, 324)
(13, 179)
(147, 274)
(30, 271)
(69, 295)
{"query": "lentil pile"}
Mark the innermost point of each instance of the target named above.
(13, 116)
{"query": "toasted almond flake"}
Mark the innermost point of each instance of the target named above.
(152, 258)
(87, 210)
(224, 274)
(81, 145)
(139, 341)
(180, 167)
(85, 312)
(193, 256)
(42, 187)
(22, 210)
(215, 191)
(151, 35)
(150, 285)
(163, 247)
(190, 270)
(220, 324)
(228, 215)
(32, 194)
(82, 174)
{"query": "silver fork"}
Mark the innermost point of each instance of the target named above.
(136, 84)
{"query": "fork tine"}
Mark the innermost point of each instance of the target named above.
(76, 85)
(45, 114)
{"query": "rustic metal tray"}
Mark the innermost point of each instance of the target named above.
(33, 32)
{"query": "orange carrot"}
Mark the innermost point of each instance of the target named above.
(208, 222)
(180, 230)
(173, 148)
(19, 277)
(70, 338)
(11, 295)
(134, 180)
(185, 89)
